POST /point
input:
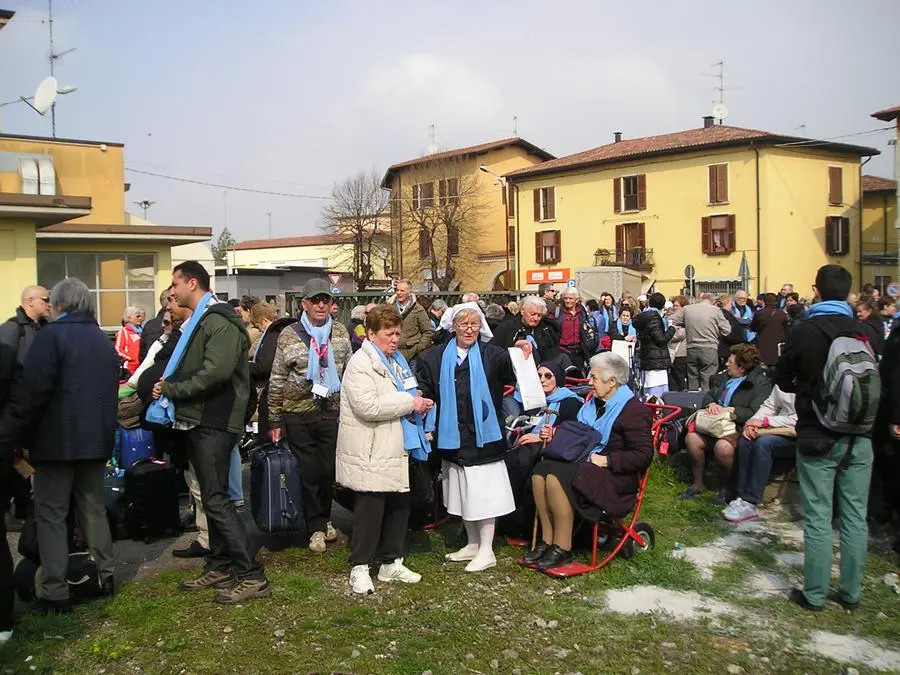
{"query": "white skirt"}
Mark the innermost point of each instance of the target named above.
(477, 492)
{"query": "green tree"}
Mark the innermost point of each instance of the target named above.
(220, 248)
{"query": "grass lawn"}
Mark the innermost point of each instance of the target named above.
(719, 618)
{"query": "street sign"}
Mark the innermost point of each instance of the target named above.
(570, 283)
(893, 289)
(335, 289)
(335, 279)
(689, 272)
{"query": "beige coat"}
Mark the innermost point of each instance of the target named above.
(370, 454)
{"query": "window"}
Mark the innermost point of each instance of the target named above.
(547, 247)
(630, 244)
(545, 204)
(448, 191)
(510, 200)
(453, 239)
(718, 183)
(718, 235)
(116, 280)
(422, 196)
(837, 235)
(835, 185)
(630, 193)
(511, 239)
(424, 243)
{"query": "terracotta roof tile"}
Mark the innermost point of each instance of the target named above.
(681, 141)
(888, 114)
(286, 242)
(878, 184)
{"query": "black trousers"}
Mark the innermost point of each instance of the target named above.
(379, 527)
(314, 443)
(678, 374)
(7, 594)
(209, 453)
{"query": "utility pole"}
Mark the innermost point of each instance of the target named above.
(54, 57)
(269, 214)
(721, 75)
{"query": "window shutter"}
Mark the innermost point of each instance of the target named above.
(537, 205)
(845, 235)
(423, 242)
(415, 197)
(511, 239)
(722, 183)
(732, 235)
(551, 203)
(453, 240)
(830, 238)
(620, 243)
(453, 188)
(835, 193)
(617, 195)
(642, 192)
(713, 175)
(510, 200)
(539, 247)
(706, 234)
(557, 239)
(442, 191)
(641, 236)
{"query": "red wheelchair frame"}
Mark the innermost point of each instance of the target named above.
(632, 538)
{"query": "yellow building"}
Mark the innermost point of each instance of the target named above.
(62, 213)
(448, 215)
(879, 238)
(703, 197)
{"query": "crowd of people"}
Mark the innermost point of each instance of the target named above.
(413, 394)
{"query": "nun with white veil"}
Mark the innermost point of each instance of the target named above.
(465, 378)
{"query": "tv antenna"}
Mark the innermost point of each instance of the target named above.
(54, 57)
(432, 146)
(145, 204)
(516, 126)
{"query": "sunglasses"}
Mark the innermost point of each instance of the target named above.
(166, 322)
(319, 299)
(546, 376)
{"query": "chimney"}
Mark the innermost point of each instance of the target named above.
(617, 136)
(708, 121)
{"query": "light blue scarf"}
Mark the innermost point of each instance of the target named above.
(830, 307)
(414, 441)
(661, 316)
(162, 412)
(631, 330)
(321, 340)
(553, 402)
(487, 429)
(730, 387)
(259, 344)
(611, 411)
(747, 316)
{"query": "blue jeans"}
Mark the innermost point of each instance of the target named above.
(755, 464)
(235, 478)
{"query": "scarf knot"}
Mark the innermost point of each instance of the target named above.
(611, 411)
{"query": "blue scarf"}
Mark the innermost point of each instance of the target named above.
(661, 316)
(487, 429)
(831, 307)
(319, 346)
(730, 387)
(414, 440)
(162, 412)
(138, 329)
(259, 344)
(746, 315)
(631, 330)
(611, 411)
(554, 400)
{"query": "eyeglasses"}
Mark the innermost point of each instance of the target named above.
(546, 376)
(319, 300)
(166, 322)
(45, 298)
(468, 327)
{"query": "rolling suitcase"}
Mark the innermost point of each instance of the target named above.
(151, 495)
(688, 401)
(276, 494)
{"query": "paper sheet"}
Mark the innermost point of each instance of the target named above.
(623, 349)
(527, 378)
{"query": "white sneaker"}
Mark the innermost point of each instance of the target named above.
(467, 552)
(397, 571)
(361, 580)
(317, 542)
(5, 636)
(746, 511)
(733, 507)
(330, 532)
(482, 562)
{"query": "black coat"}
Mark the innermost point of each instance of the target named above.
(546, 334)
(875, 331)
(889, 405)
(587, 334)
(66, 409)
(151, 332)
(261, 369)
(499, 373)
(771, 326)
(653, 341)
(737, 336)
(749, 396)
(19, 333)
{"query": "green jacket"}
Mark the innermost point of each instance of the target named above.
(211, 387)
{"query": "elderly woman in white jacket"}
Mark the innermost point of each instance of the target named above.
(381, 422)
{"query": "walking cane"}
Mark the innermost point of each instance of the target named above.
(534, 530)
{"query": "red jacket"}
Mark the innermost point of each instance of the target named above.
(128, 347)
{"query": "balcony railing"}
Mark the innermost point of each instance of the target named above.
(640, 259)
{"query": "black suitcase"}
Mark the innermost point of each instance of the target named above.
(116, 506)
(151, 494)
(688, 401)
(276, 494)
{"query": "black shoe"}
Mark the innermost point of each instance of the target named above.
(554, 556)
(107, 588)
(848, 606)
(533, 556)
(54, 606)
(195, 550)
(798, 598)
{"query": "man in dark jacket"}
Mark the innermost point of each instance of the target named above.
(738, 334)
(66, 415)
(577, 337)
(20, 330)
(887, 426)
(825, 458)
(531, 324)
(153, 329)
(210, 389)
(415, 330)
(654, 335)
(10, 378)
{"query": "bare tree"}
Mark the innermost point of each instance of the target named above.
(443, 209)
(358, 212)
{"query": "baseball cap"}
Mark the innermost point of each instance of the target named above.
(316, 287)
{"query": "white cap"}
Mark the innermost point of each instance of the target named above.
(669, 304)
(642, 298)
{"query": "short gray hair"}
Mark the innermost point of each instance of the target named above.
(438, 304)
(570, 290)
(706, 297)
(494, 311)
(533, 301)
(72, 296)
(611, 366)
(131, 310)
(470, 297)
(404, 281)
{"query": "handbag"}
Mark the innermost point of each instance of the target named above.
(572, 442)
(718, 425)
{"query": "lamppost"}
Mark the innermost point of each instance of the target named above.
(144, 204)
(501, 181)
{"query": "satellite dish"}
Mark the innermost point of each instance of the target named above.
(45, 95)
(719, 111)
(432, 149)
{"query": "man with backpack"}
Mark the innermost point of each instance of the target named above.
(831, 367)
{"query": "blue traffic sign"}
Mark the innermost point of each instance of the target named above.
(335, 289)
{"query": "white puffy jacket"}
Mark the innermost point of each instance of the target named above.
(370, 454)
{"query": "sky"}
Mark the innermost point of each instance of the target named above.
(292, 96)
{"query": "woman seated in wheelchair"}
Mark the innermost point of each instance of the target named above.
(603, 479)
(560, 399)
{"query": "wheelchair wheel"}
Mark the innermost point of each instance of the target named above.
(631, 548)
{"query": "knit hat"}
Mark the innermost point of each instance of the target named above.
(556, 368)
